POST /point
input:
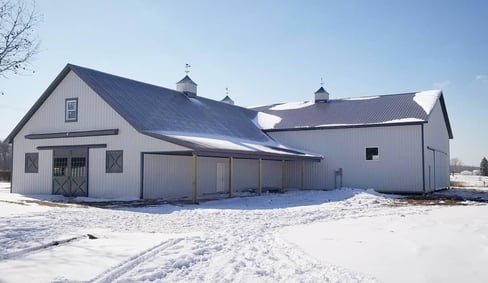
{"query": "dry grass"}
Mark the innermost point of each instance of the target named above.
(457, 184)
(46, 203)
(426, 200)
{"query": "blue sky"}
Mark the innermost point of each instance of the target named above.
(274, 51)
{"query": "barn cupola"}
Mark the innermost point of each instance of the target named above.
(321, 95)
(187, 85)
(227, 98)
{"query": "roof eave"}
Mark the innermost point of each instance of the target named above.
(312, 128)
(10, 138)
(446, 116)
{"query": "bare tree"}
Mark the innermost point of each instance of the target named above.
(456, 164)
(5, 161)
(18, 43)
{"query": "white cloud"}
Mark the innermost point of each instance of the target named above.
(441, 85)
(482, 78)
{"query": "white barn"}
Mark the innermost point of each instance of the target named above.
(392, 143)
(99, 135)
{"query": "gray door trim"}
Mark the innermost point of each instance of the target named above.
(69, 154)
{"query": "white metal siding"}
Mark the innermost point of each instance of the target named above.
(314, 174)
(207, 175)
(272, 174)
(246, 175)
(93, 114)
(437, 137)
(399, 167)
(33, 183)
(168, 177)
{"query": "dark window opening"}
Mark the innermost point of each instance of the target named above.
(114, 161)
(78, 167)
(59, 168)
(372, 153)
(31, 162)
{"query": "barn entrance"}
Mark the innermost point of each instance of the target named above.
(70, 172)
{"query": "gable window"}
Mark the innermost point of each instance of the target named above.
(114, 162)
(71, 110)
(372, 153)
(32, 162)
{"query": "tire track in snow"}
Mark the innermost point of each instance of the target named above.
(117, 271)
(50, 245)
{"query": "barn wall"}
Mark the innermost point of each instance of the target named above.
(93, 114)
(399, 168)
(436, 137)
(246, 175)
(207, 176)
(168, 177)
(272, 174)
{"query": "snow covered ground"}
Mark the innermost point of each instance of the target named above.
(471, 181)
(345, 235)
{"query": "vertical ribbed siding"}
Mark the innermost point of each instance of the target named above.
(207, 175)
(167, 177)
(398, 168)
(272, 173)
(246, 174)
(293, 174)
(32, 183)
(315, 175)
(93, 114)
(436, 137)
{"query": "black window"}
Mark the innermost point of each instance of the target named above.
(59, 167)
(31, 162)
(114, 161)
(71, 110)
(372, 153)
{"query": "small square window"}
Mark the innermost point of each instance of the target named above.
(71, 110)
(32, 162)
(372, 153)
(114, 162)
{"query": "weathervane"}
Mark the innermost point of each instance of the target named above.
(321, 81)
(226, 91)
(187, 68)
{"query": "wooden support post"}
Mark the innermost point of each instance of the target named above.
(194, 180)
(302, 175)
(282, 175)
(260, 177)
(231, 161)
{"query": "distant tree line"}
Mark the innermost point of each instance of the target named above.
(484, 167)
(5, 161)
(457, 166)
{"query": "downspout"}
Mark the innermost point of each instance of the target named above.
(423, 159)
(260, 177)
(301, 175)
(435, 185)
(12, 168)
(231, 164)
(194, 178)
(283, 169)
(141, 193)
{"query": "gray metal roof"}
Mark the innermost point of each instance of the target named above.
(186, 79)
(353, 112)
(173, 116)
(321, 90)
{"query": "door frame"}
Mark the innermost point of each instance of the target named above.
(86, 150)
